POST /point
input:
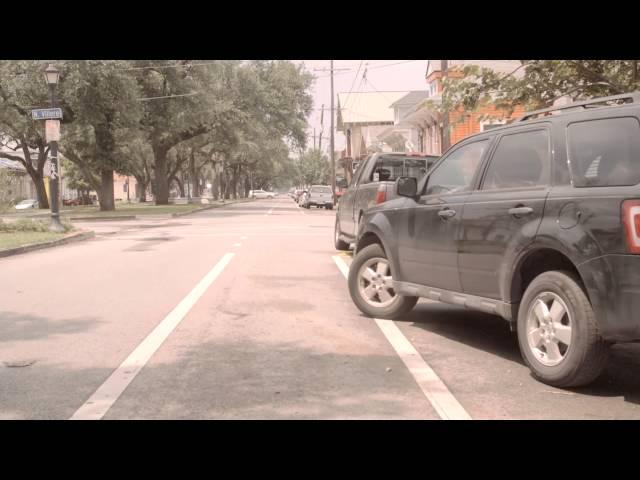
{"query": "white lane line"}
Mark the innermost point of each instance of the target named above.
(244, 237)
(270, 211)
(237, 244)
(440, 397)
(106, 395)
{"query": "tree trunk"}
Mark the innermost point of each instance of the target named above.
(234, 183)
(105, 193)
(41, 191)
(195, 180)
(180, 185)
(142, 188)
(215, 186)
(162, 182)
(247, 187)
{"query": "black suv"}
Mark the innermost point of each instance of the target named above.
(537, 221)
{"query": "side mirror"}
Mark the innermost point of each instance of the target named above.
(407, 187)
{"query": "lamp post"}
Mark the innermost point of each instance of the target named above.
(52, 75)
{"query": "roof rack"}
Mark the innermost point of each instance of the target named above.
(634, 97)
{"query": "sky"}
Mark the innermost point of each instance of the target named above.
(382, 75)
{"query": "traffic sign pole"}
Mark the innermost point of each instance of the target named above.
(54, 175)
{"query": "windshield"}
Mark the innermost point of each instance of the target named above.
(320, 189)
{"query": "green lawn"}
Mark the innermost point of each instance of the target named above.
(19, 239)
(129, 209)
(122, 209)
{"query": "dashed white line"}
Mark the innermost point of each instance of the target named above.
(440, 397)
(243, 237)
(106, 395)
(270, 211)
(237, 244)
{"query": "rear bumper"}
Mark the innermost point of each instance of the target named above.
(613, 286)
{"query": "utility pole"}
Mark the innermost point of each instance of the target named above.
(333, 153)
(446, 141)
(332, 139)
(321, 127)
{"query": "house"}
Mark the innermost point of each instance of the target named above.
(23, 187)
(403, 136)
(426, 121)
(363, 116)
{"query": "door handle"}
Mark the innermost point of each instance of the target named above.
(517, 211)
(447, 213)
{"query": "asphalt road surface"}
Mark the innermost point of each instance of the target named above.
(243, 312)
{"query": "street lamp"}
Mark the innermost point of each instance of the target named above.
(52, 75)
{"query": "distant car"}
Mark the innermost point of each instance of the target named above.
(261, 194)
(319, 196)
(26, 204)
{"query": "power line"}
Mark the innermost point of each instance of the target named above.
(168, 96)
(353, 83)
(162, 67)
(392, 64)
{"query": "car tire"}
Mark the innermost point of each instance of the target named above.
(339, 244)
(398, 306)
(573, 364)
(329, 207)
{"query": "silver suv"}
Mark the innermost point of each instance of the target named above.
(319, 196)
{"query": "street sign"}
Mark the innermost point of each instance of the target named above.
(52, 130)
(46, 113)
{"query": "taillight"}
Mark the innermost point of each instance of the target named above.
(631, 220)
(381, 195)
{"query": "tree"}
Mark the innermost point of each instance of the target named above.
(314, 168)
(75, 179)
(137, 159)
(22, 88)
(8, 182)
(181, 103)
(103, 97)
(538, 83)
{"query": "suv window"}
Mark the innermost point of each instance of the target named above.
(604, 152)
(520, 160)
(387, 168)
(414, 167)
(456, 172)
(355, 180)
(321, 190)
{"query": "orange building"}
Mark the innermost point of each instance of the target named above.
(428, 121)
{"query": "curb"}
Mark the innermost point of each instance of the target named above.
(75, 237)
(104, 219)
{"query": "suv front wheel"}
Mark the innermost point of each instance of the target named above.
(371, 285)
(558, 332)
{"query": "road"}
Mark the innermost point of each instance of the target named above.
(243, 312)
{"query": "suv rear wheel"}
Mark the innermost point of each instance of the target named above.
(558, 333)
(371, 285)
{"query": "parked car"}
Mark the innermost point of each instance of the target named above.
(319, 196)
(537, 221)
(261, 194)
(372, 184)
(26, 204)
(300, 195)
